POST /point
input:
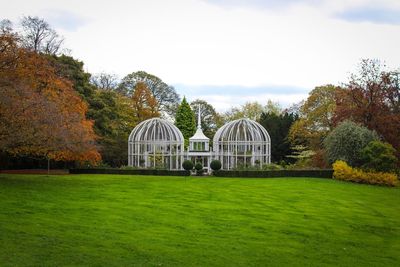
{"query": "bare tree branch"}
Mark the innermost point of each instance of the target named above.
(39, 37)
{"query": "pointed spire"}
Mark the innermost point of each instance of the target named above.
(199, 119)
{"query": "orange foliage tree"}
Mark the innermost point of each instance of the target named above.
(144, 104)
(40, 113)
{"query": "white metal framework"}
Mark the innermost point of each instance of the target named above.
(199, 146)
(156, 143)
(242, 142)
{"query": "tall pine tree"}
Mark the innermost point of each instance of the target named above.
(185, 120)
(278, 126)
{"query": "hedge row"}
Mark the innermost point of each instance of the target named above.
(131, 172)
(220, 173)
(277, 173)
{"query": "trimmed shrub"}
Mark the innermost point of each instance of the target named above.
(379, 156)
(344, 172)
(199, 169)
(215, 165)
(187, 165)
(198, 166)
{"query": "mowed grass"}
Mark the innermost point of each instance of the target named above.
(112, 220)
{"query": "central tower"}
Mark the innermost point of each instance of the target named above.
(199, 142)
(199, 146)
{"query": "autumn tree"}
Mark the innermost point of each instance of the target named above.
(372, 98)
(112, 113)
(316, 118)
(144, 104)
(40, 115)
(211, 121)
(185, 120)
(39, 37)
(9, 52)
(165, 95)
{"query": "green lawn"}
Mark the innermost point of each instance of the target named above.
(115, 220)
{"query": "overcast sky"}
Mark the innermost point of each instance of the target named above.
(226, 52)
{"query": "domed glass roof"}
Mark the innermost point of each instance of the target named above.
(242, 143)
(156, 130)
(242, 130)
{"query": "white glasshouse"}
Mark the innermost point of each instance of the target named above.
(157, 143)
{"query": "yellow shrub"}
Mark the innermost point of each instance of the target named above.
(342, 171)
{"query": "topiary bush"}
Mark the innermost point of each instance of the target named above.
(187, 165)
(346, 141)
(215, 165)
(199, 169)
(342, 171)
(198, 166)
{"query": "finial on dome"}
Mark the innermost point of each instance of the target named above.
(198, 119)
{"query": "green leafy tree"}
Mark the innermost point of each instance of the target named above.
(185, 120)
(347, 141)
(114, 120)
(72, 69)
(379, 156)
(210, 119)
(251, 110)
